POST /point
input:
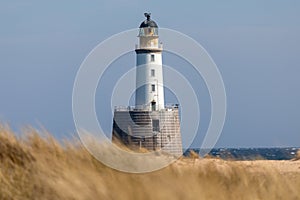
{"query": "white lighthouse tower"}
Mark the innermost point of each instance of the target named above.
(149, 74)
(149, 124)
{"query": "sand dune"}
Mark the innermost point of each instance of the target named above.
(35, 167)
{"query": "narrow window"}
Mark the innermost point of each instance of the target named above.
(153, 88)
(152, 58)
(152, 72)
(153, 105)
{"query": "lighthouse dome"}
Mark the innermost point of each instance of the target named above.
(148, 22)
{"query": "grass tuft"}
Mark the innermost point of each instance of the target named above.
(39, 167)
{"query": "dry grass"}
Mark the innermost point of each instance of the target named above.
(36, 167)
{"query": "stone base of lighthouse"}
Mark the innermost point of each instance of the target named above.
(151, 130)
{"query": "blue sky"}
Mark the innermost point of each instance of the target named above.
(254, 43)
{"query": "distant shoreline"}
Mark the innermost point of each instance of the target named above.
(275, 153)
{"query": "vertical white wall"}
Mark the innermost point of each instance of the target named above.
(145, 80)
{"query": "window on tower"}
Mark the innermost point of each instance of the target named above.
(152, 72)
(152, 58)
(153, 88)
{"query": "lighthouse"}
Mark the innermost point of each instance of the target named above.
(149, 74)
(150, 124)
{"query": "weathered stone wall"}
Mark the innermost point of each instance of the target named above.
(153, 130)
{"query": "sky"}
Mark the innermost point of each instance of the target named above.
(255, 45)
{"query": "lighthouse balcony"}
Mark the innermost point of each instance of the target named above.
(145, 108)
(149, 47)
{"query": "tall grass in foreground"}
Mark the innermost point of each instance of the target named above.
(35, 167)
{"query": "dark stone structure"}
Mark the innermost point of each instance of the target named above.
(152, 130)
